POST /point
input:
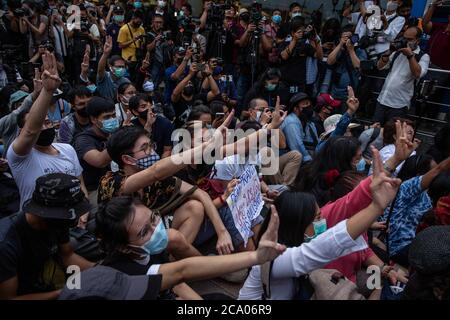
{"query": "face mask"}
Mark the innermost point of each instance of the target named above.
(143, 115)
(125, 100)
(276, 19)
(367, 4)
(361, 166)
(82, 112)
(158, 241)
(148, 86)
(258, 115)
(148, 161)
(138, 5)
(181, 13)
(46, 137)
(119, 18)
(188, 91)
(161, 4)
(119, 72)
(412, 45)
(110, 125)
(296, 14)
(391, 6)
(320, 226)
(308, 112)
(91, 88)
(271, 86)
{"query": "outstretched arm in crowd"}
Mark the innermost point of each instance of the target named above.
(176, 94)
(182, 67)
(33, 125)
(84, 75)
(427, 24)
(334, 55)
(8, 290)
(104, 58)
(200, 268)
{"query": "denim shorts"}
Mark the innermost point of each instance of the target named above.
(207, 230)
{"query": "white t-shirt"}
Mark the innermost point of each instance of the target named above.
(26, 169)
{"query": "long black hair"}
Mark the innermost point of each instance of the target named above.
(416, 165)
(296, 211)
(319, 176)
(269, 74)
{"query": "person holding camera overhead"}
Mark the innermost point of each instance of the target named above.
(406, 64)
(35, 23)
(294, 53)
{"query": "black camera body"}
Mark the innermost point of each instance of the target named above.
(310, 35)
(399, 44)
(85, 25)
(256, 17)
(21, 12)
(216, 14)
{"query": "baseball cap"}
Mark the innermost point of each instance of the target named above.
(429, 252)
(297, 98)
(243, 10)
(101, 282)
(17, 96)
(179, 50)
(57, 196)
(330, 124)
(117, 9)
(326, 99)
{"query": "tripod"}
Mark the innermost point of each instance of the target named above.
(254, 46)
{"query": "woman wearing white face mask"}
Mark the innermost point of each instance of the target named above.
(124, 94)
(300, 222)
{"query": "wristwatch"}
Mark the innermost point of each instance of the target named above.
(386, 167)
(410, 56)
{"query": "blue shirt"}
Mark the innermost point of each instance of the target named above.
(62, 109)
(341, 129)
(171, 84)
(410, 206)
(296, 137)
(228, 87)
(107, 87)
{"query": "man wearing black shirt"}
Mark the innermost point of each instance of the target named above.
(30, 239)
(159, 128)
(90, 144)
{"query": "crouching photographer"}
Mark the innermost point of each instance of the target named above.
(406, 64)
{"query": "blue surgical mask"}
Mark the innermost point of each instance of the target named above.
(137, 4)
(271, 86)
(119, 72)
(158, 242)
(319, 228)
(148, 161)
(110, 125)
(276, 19)
(91, 88)
(118, 18)
(361, 166)
(148, 86)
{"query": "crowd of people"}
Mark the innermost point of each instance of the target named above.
(92, 94)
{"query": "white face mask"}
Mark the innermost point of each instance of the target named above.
(392, 6)
(258, 115)
(367, 4)
(161, 4)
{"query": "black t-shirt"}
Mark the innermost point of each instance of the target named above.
(24, 253)
(293, 70)
(182, 110)
(269, 96)
(131, 267)
(161, 132)
(83, 143)
(319, 124)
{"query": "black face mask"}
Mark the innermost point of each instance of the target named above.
(46, 137)
(188, 91)
(179, 60)
(82, 112)
(143, 115)
(308, 112)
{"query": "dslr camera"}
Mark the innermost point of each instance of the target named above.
(21, 12)
(399, 44)
(256, 16)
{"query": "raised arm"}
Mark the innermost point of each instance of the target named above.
(104, 58)
(32, 128)
(180, 86)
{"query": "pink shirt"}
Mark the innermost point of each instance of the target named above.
(340, 210)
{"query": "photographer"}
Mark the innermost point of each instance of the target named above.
(391, 25)
(43, 48)
(114, 26)
(294, 53)
(60, 35)
(162, 9)
(344, 61)
(228, 92)
(406, 64)
(159, 46)
(177, 71)
(130, 39)
(295, 12)
(35, 23)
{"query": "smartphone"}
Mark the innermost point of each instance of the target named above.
(220, 114)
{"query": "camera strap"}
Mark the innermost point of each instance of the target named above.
(132, 35)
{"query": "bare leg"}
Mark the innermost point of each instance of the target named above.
(178, 246)
(188, 219)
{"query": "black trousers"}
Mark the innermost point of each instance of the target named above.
(384, 113)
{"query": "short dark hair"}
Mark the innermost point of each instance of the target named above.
(389, 129)
(124, 86)
(439, 187)
(114, 59)
(296, 24)
(418, 31)
(133, 104)
(293, 5)
(138, 14)
(78, 91)
(253, 103)
(122, 142)
(197, 111)
(188, 6)
(98, 105)
(111, 222)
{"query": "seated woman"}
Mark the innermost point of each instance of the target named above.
(135, 241)
(310, 245)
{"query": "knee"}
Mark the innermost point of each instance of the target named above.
(295, 157)
(196, 209)
(176, 239)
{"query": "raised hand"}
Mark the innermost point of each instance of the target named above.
(37, 82)
(352, 101)
(50, 77)
(230, 187)
(85, 63)
(403, 146)
(107, 48)
(268, 247)
(383, 187)
(224, 244)
(278, 116)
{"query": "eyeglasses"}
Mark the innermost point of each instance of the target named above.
(146, 147)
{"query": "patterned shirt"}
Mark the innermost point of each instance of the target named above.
(411, 205)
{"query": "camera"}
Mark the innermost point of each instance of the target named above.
(256, 16)
(166, 35)
(216, 14)
(354, 39)
(310, 35)
(84, 25)
(21, 12)
(367, 41)
(399, 44)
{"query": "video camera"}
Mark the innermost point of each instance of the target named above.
(216, 14)
(399, 44)
(21, 12)
(150, 36)
(256, 16)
